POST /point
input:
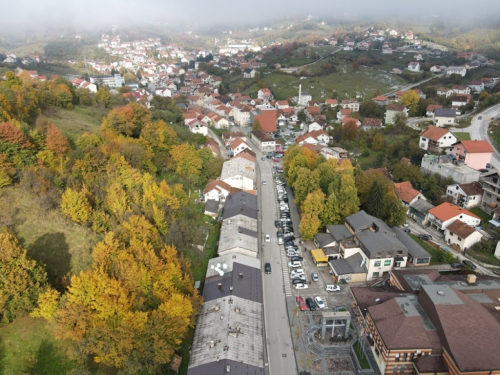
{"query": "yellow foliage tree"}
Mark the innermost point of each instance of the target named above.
(7, 170)
(188, 163)
(76, 206)
(117, 200)
(48, 303)
(410, 99)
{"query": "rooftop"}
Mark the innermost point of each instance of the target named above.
(477, 146)
(445, 112)
(434, 133)
(226, 263)
(238, 166)
(405, 191)
(447, 211)
(414, 249)
(461, 229)
(241, 203)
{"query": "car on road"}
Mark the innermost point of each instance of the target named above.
(456, 265)
(276, 223)
(268, 238)
(320, 302)
(267, 268)
(279, 234)
(299, 280)
(480, 118)
(295, 264)
(468, 263)
(301, 286)
(290, 237)
(301, 303)
(426, 237)
(280, 240)
(407, 230)
(406, 225)
(332, 288)
(310, 304)
(314, 276)
(264, 182)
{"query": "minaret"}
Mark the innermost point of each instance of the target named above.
(300, 89)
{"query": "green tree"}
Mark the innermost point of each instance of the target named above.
(331, 212)
(307, 181)
(378, 142)
(395, 213)
(309, 225)
(375, 204)
(347, 196)
(103, 97)
(408, 172)
(76, 206)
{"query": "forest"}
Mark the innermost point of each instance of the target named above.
(120, 297)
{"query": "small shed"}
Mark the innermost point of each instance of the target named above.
(319, 258)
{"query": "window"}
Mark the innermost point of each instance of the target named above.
(387, 262)
(395, 370)
(451, 234)
(422, 260)
(402, 369)
(377, 263)
(405, 355)
(411, 357)
(397, 358)
(459, 239)
(376, 351)
(375, 274)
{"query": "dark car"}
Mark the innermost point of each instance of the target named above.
(279, 234)
(289, 243)
(296, 258)
(480, 118)
(310, 303)
(456, 265)
(468, 263)
(267, 268)
(297, 281)
(426, 237)
(289, 238)
(407, 230)
(276, 223)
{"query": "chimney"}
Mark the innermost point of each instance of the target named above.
(471, 278)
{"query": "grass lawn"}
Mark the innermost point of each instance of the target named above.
(434, 252)
(495, 133)
(483, 215)
(360, 355)
(485, 257)
(462, 136)
(27, 347)
(63, 246)
(76, 121)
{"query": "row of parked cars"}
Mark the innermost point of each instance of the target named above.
(310, 304)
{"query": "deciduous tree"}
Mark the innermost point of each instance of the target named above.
(410, 99)
(395, 214)
(331, 212)
(76, 206)
(11, 134)
(347, 196)
(309, 226)
(188, 163)
(378, 142)
(55, 141)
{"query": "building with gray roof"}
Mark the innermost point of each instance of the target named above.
(239, 235)
(241, 203)
(419, 211)
(417, 255)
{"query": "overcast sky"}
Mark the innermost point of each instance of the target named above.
(107, 12)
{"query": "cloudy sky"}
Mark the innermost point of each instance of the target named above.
(15, 13)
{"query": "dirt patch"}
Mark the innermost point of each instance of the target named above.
(317, 366)
(337, 364)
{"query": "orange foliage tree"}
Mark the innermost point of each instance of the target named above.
(55, 141)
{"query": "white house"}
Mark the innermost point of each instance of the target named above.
(477, 86)
(414, 66)
(221, 123)
(462, 90)
(436, 139)
(352, 104)
(392, 110)
(314, 126)
(446, 213)
(238, 145)
(264, 141)
(456, 70)
(239, 173)
(407, 194)
(444, 116)
(316, 137)
(265, 95)
(465, 195)
(461, 235)
(445, 91)
(304, 98)
(218, 190)
(198, 127)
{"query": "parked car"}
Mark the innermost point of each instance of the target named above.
(268, 238)
(296, 258)
(276, 160)
(468, 263)
(407, 230)
(456, 265)
(279, 234)
(310, 304)
(301, 286)
(267, 268)
(480, 118)
(280, 240)
(301, 303)
(297, 273)
(290, 237)
(320, 302)
(276, 223)
(288, 243)
(426, 237)
(299, 280)
(332, 288)
(294, 264)
(314, 276)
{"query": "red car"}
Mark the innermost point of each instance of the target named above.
(276, 160)
(300, 302)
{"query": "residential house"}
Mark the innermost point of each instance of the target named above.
(445, 91)
(81, 83)
(477, 86)
(315, 137)
(198, 127)
(394, 110)
(268, 119)
(398, 70)
(430, 109)
(239, 173)
(212, 208)
(449, 167)
(446, 213)
(265, 95)
(465, 195)
(436, 139)
(238, 145)
(381, 100)
(249, 73)
(304, 98)
(475, 154)
(351, 104)
(419, 211)
(417, 255)
(314, 126)
(461, 70)
(313, 111)
(444, 116)
(491, 195)
(407, 194)
(239, 235)
(371, 123)
(460, 100)
(282, 104)
(221, 123)
(241, 114)
(331, 103)
(351, 120)
(461, 235)
(414, 66)
(218, 190)
(228, 137)
(459, 89)
(343, 113)
(264, 141)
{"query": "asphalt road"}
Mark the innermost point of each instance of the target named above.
(280, 353)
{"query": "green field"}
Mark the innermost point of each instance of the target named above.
(360, 355)
(434, 252)
(462, 136)
(27, 347)
(76, 121)
(483, 215)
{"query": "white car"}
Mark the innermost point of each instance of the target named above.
(296, 273)
(295, 264)
(264, 182)
(268, 238)
(301, 286)
(332, 288)
(320, 302)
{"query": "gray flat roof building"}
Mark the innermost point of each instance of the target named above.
(241, 203)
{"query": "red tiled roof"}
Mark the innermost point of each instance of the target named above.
(396, 107)
(219, 183)
(447, 211)
(477, 146)
(267, 119)
(313, 110)
(381, 98)
(432, 107)
(434, 133)
(405, 191)
(345, 111)
(372, 121)
(331, 101)
(461, 229)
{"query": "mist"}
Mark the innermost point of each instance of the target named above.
(88, 14)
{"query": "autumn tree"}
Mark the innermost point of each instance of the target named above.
(378, 142)
(257, 125)
(134, 306)
(395, 211)
(7, 171)
(21, 279)
(331, 211)
(375, 204)
(410, 99)
(76, 206)
(364, 181)
(12, 134)
(408, 172)
(350, 130)
(298, 162)
(55, 141)
(103, 97)
(128, 120)
(63, 96)
(188, 162)
(309, 225)
(307, 181)
(347, 196)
